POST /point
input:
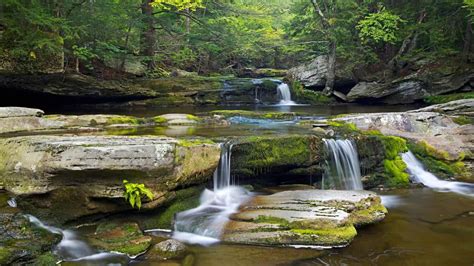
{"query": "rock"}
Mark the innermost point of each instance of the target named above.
(21, 242)
(19, 112)
(406, 91)
(459, 107)
(304, 218)
(124, 238)
(180, 119)
(285, 156)
(183, 73)
(54, 173)
(313, 74)
(168, 249)
(428, 80)
(262, 73)
(256, 114)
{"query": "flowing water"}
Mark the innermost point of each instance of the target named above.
(420, 175)
(284, 94)
(204, 225)
(74, 249)
(342, 165)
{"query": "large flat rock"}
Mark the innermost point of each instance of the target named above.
(19, 111)
(324, 218)
(86, 172)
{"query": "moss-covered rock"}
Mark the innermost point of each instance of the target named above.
(254, 114)
(306, 96)
(304, 217)
(21, 242)
(124, 238)
(168, 249)
(257, 156)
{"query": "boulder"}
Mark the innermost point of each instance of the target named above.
(19, 112)
(56, 173)
(124, 238)
(458, 107)
(313, 74)
(168, 249)
(406, 91)
(318, 218)
(180, 119)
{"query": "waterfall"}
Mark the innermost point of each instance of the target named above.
(283, 91)
(71, 247)
(205, 224)
(342, 166)
(419, 174)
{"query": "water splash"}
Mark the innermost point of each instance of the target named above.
(283, 91)
(204, 225)
(419, 174)
(342, 165)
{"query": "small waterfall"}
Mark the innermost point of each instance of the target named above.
(222, 177)
(419, 174)
(342, 166)
(204, 225)
(71, 247)
(283, 91)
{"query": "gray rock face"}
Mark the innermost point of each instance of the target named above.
(304, 217)
(83, 170)
(313, 74)
(402, 92)
(19, 112)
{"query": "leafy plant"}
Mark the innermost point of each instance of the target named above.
(135, 192)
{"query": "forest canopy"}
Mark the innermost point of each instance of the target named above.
(209, 36)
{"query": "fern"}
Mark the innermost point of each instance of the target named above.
(135, 192)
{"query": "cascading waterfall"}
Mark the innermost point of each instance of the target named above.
(204, 225)
(419, 174)
(72, 248)
(283, 91)
(342, 166)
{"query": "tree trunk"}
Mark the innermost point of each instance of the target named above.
(149, 33)
(467, 41)
(331, 72)
(76, 67)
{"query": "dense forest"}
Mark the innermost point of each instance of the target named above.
(223, 36)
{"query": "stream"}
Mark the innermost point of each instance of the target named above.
(424, 226)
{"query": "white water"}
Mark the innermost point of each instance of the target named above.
(283, 91)
(204, 225)
(419, 174)
(71, 247)
(342, 166)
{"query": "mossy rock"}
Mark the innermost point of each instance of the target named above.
(258, 115)
(253, 156)
(303, 95)
(124, 238)
(444, 98)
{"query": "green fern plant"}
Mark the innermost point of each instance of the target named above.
(135, 192)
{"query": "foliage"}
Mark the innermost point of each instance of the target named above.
(379, 27)
(178, 4)
(135, 192)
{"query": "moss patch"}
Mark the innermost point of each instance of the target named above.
(129, 120)
(463, 120)
(194, 142)
(252, 114)
(448, 97)
(332, 236)
(303, 95)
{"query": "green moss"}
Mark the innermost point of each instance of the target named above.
(336, 235)
(463, 120)
(159, 120)
(343, 127)
(193, 117)
(194, 142)
(303, 95)
(47, 259)
(396, 171)
(438, 162)
(185, 199)
(254, 155)
(124, 120)
(272, 220)
(448, 97)
(5, 255)
(252, 114)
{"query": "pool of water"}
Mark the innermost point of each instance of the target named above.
(330, 109)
